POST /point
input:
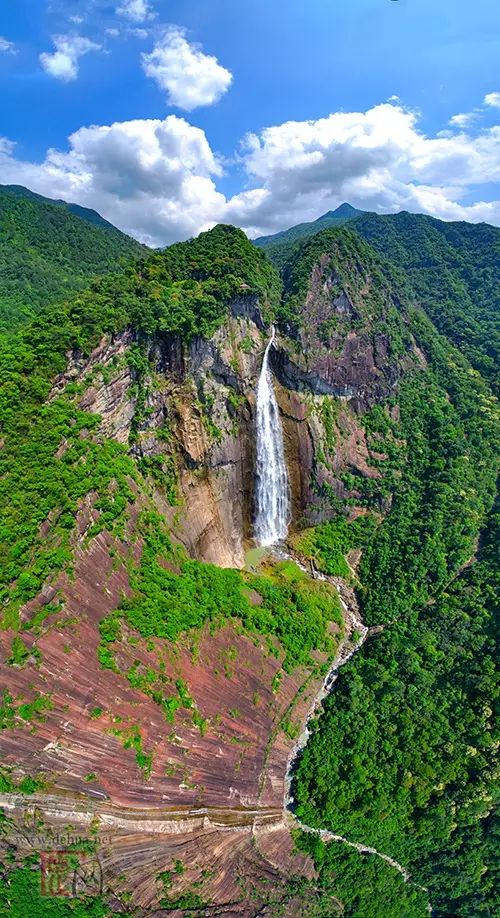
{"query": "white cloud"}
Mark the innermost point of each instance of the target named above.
(157, 179)
(463, 119)
(154, 179)
(493, 99)
(378, 160)
(190, 77)
(6, 146)
(63, 62)
(127, 32)
(136, 10)
(6, 46)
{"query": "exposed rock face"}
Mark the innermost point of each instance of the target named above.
(240, 864)
(212, 798)
(196, 410)
(229, 675)
(360, 371)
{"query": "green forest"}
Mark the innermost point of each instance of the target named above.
(452, 269)
(48, 253)
(402, 758)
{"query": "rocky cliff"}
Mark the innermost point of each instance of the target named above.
(176, 750)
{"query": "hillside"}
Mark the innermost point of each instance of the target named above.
(279, 245)
(49, 250)
(452, 268)
(157, 669)
(86, 213)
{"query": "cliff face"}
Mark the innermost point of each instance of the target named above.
(210, 777)
(193, 411)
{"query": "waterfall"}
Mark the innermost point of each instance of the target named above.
(272, 493)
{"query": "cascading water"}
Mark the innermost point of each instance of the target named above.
(272, 492)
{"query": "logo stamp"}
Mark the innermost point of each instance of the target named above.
(70, 874)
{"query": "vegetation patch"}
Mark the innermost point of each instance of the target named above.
(329, 543)
(292, 609)
(13, 714)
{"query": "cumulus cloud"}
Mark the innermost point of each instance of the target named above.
(378, 160)
(6, 46)
(493, 99)
(189, 77)
(152, 178)
(157, 179)
(63, 62)
(136, 10)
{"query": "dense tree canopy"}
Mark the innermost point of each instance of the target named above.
(48, 252)
(454, 271)
(402, 758)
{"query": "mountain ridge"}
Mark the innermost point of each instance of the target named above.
(452, 266)
(49, 250)
(342, 214)
(85, 213)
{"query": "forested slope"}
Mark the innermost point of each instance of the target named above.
(454, 270)
(48, 251)
(403, 757)
(279, 246)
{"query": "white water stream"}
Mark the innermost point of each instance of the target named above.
(272, 491)
(357, 633)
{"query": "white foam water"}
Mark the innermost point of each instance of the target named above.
(272, 492)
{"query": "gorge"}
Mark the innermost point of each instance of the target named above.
(159, 674)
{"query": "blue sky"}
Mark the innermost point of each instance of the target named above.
(185, 83)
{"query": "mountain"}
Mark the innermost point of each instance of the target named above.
(452, 267)
(157, 669)
(454, 271)
(49, 250)
(278, 245)
(91, 216)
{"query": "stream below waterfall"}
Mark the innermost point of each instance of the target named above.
(346, 650)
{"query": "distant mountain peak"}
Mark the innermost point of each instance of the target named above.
(343, 210)
(343, 214)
